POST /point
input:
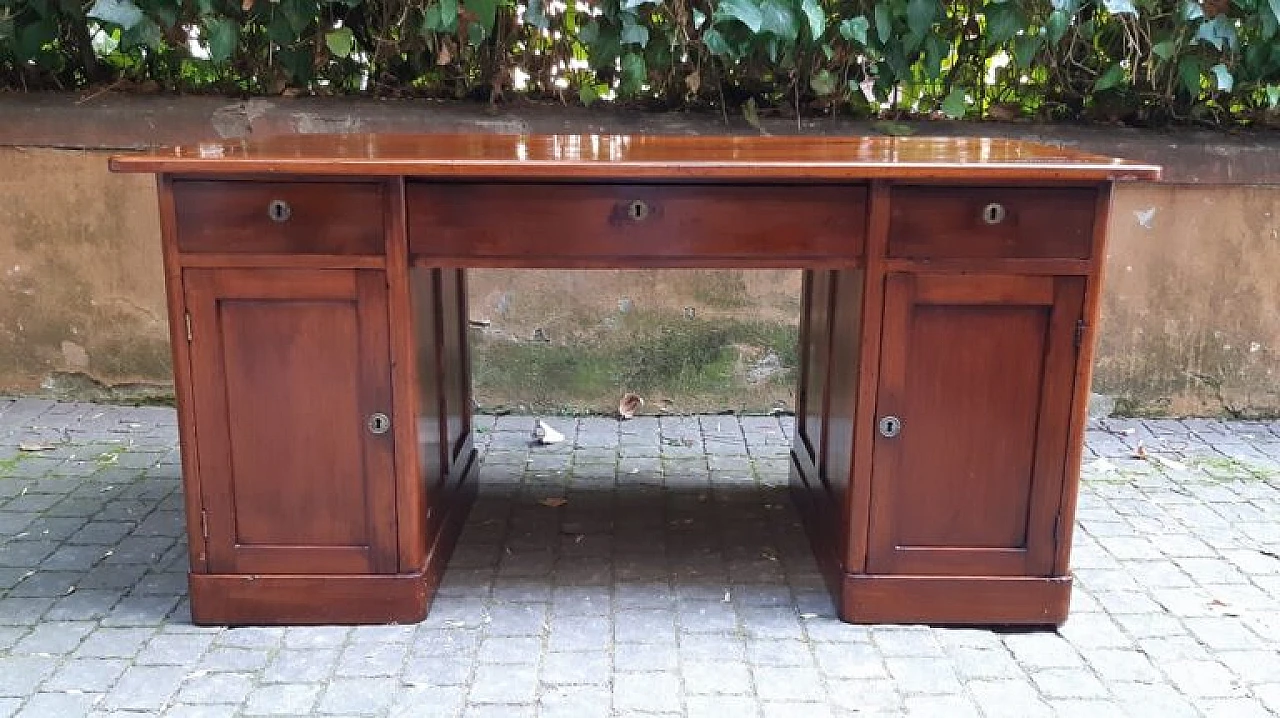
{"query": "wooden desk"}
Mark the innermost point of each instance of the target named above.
(317, 300)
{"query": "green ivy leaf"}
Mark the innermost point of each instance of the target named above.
(32, 37)
(1057, 26)
(448, 15)
(744, 11)
(778, 19)
(823, 82)
(935, 51)
(1025, 49)
(1275, 13)
(1003, 22)
(587, 94)
(1117, 7)
(1069, 7)
(1109, 79)
(221, 35)
(1191, 10)
(920, 15)
(884, 23)
(589, 32)
(340, 41)
(633, 33)
(119, 12)
(1189, 70)
(485, 12)
(299, 14)
(855, 29)
(1222, 77)
(633, 73)
(955, 105)
(535, 13)
(716, 43)
(145, 34)
(1273, 96)
(817, 19)
(1164, 49)
(1218, 32)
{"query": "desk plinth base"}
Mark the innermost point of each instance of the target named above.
(955, 600)
(258, 600)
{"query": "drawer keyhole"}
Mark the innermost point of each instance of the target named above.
(279, 210)
(638, 210)
(993, 213)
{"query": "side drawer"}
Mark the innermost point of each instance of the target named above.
(241, 216)
(991, 222)
(655, 222)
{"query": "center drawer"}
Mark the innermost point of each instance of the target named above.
(588, 224)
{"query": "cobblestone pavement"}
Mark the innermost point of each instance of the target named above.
(675, 580)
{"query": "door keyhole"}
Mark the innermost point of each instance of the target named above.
(890, 426)
(993, 213)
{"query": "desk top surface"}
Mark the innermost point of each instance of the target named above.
(635, 157)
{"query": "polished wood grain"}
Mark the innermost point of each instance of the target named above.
(286, 366)
(956, 600)
(637, 157)
(572, 225)
(183, 388)
(1083, 384)
(857, 511)
(979, 369)
(265, 600)
(948, 222)
(323, 217)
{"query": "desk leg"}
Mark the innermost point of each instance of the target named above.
(447, 460)
(827, 397)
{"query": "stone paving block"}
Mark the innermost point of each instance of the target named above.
(283, 699)
(371, 659)
(231, 688)
(144, 688)
(358, 696)
(504, 684)
(42, 705)
(1012, 698)
(576, 668)
(92, 675)
(716, 677)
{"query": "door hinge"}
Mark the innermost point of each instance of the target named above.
(187, 318)
(1080, 327)
(204, 524)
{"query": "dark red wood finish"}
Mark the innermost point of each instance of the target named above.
(972, 325)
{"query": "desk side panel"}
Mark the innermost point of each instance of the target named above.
(175, 296)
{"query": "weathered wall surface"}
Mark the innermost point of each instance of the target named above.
(81, 286)
(1190, 320)
(1189, 323)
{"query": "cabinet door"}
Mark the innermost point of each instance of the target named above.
(979, 370)
(287, 367)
